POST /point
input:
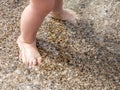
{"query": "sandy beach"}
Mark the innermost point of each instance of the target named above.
(81, 57)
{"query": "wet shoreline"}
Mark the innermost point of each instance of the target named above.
(83, 57)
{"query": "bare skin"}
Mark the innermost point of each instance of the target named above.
(37, 11)
(64, 14)
(67, 15)
(29, 53)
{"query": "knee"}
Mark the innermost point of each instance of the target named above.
(42, 5)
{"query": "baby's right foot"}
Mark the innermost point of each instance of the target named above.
(29, 53)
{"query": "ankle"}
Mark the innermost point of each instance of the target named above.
(58, 11)
(21, 39)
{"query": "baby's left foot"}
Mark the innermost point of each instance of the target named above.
(67, 15)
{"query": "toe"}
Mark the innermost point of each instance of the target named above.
(34, 62)
(30, 63)
(20, 56)
(39, 60)
(24, 59)
(26, 63)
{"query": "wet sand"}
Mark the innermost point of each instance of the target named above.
(82, 57)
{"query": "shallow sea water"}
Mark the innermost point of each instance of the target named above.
(82, 57)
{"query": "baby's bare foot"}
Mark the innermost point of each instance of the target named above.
(29, 53)
(67, 15)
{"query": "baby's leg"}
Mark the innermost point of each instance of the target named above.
(31, 19)
(64, 14)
